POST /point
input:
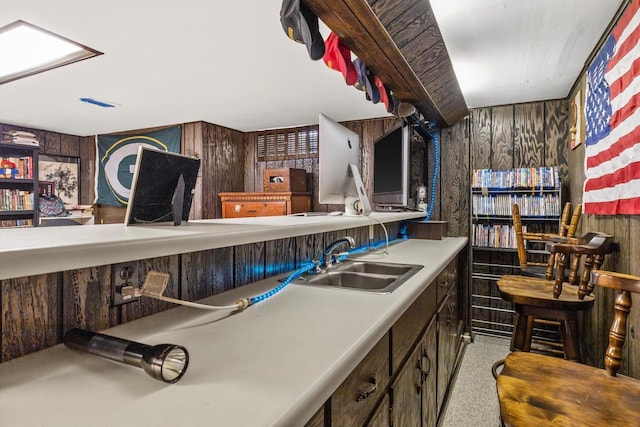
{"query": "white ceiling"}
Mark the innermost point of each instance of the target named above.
(230, 63)
(511, 51)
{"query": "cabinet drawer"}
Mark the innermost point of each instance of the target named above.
(407, 329)
(356, 398)
(250, 209)
(446, 279)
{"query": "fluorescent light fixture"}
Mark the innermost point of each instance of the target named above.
(26, 50)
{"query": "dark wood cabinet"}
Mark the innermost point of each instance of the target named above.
(406, 391)
(410, 325)
(429, 368)
(241, 205)
(380, 417)
(356, 398)
(404, 379)
(450, 328)
(414, 389)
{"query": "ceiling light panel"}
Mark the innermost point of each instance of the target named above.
(26, 50)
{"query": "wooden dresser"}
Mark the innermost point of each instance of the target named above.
(239, 205)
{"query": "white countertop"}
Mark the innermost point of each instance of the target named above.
(39, 250)
(273, 364)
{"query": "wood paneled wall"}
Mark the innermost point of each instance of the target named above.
(61, 144)
(222, 151)
(626, 232)
(504, 137)
(368, 130)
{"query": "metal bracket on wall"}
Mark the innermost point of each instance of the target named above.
(124, 276)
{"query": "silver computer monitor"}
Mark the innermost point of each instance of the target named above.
(339, 166)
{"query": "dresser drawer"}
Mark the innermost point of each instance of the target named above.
(446, 279)
(408, 327)
(358, 395)
(239, 205)
(249, 209)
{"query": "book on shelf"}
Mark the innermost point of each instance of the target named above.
(543, 177)
(501, 236)
(16, 223)
(546, 205)
(21, 167)
(15, 200)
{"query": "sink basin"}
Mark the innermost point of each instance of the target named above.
(346, 279)
(376, 267)
(363, 276)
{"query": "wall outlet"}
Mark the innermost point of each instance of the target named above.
(123, 276)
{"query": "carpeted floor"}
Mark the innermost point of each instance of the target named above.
(474, 401)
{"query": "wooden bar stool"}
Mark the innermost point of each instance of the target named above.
(550, 299)
(534, 389)
(568, 226)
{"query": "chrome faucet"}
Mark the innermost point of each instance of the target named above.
(328, 252)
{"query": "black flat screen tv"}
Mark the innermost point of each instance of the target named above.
(162, 187)
(391, 168)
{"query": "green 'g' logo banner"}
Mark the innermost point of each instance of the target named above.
(116, 158)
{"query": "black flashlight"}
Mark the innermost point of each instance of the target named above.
(164, 362)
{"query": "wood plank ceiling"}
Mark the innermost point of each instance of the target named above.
(401, 43)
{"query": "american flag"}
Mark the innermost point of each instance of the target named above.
(612, 153)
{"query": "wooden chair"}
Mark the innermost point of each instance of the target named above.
(534, 389)
(568, 226)
(549, 299)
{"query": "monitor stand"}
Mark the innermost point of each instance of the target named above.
(177, 201)
(362, 195)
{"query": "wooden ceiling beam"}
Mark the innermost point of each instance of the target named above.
(427, 81)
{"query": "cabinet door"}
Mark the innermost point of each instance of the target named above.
(380, 417)
(444, 319)
(455, 326)
(429, 369)
(406, 331)
(355, 399)
(406, 392)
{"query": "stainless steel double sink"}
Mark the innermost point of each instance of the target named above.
(366, 276)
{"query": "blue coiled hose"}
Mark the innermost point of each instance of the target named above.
(430, 130)
(302, 270)
(299, 272)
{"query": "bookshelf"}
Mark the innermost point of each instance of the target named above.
(537, 191)
(18, 184)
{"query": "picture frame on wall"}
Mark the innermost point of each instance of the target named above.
(64, 173)
(577, 121)
(46, 188)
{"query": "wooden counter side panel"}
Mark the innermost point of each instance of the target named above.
(30, 314)
(206, 273)
(249, 263)
(280, 256)
(86, 299)
(308, 247)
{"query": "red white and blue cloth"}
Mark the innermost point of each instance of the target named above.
(612, 145)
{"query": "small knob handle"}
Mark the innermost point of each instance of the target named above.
(425, 364)
(371, 388)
